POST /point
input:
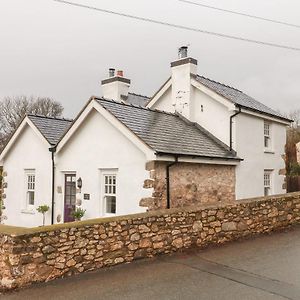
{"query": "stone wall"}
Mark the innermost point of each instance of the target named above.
(41, 254)
(190, 184)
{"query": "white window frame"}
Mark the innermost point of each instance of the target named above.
(30, 187)
(268, 182)
(109, 189)
(267, 135)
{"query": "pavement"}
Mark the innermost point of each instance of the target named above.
(266, 267)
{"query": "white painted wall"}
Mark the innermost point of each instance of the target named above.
(214, 117)
(250, 146)
(98, 145)
(165, 102)
(29, 152)
(114, 90)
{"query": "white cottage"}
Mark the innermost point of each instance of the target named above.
(195, 141)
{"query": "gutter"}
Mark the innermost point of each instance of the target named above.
(52, 150)
(230, 127)
(168, 180)
(160, 153)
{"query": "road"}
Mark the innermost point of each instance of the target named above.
(265, 268)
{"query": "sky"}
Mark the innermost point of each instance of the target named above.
(63, 52)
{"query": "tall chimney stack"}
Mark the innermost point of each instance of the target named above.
(115, 87)
(182, 92)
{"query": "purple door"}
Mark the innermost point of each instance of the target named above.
(70, 197)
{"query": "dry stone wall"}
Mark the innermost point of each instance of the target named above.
(41, 254)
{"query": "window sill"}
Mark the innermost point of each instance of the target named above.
(28, 212)
(269, 151)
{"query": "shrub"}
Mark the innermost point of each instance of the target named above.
(78, 213)
(43, 210)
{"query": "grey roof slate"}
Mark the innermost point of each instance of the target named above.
(166, 132)
(51, 128)
(136, 99)
(238, 97)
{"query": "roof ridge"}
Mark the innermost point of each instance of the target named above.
(140, 95)
(48, 117)
(208, 134)
(136, 106)
(231, 87)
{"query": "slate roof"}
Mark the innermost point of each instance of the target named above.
(167, 133)
(136, 99)
(238, 97)
(51, 128)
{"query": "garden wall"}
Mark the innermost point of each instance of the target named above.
(45, 253)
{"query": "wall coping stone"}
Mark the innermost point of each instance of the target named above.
(22, 231)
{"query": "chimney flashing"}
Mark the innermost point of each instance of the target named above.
(184, 61)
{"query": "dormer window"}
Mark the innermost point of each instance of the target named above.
(267, 135)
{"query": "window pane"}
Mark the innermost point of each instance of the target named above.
(267, 191)
(110, 204)
(31, 198)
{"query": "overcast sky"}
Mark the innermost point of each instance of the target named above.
(59, 51)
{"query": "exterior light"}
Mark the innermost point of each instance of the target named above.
(79, 183)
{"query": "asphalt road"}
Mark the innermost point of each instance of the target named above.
(265, 268)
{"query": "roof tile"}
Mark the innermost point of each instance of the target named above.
(166, 132)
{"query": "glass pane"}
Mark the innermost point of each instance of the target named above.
(111, 204)
(31, 198)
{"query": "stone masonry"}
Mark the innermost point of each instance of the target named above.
(190, 184)
(41, 254)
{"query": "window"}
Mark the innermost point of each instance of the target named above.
(267, 135)
(30, 189)
(110, 191)
(267, 182)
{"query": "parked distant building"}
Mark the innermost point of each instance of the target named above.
(298, 152)
(195, 141)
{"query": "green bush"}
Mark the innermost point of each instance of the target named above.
(294, 170)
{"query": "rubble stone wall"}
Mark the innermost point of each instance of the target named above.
(190, 184)
(41, 254)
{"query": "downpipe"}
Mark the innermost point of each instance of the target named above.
(52, 150)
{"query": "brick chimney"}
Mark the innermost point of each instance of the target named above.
(182, 90)
(116, 86)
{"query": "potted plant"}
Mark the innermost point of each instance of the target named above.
(78, 213)
(43, 209)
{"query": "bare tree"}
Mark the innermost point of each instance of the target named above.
(13, 110)
(295, 116)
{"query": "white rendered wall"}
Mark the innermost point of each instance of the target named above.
(214, 117)
(99, 145)
(114, 90)
(29, 152)
(165, 102)
(250, 146)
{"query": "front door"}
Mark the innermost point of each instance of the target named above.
(70, 197)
